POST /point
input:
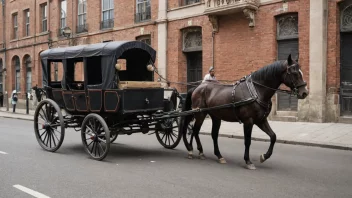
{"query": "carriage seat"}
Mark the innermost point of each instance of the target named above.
(138, 84)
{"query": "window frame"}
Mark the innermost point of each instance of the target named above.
(17, 67)
(82, 16)
(27, 22)
(44, 17)
(63, 21)
(109, 21)
(143, 14)
(15, 25)
(28, 67)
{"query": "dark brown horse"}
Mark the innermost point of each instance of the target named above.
(252, 99)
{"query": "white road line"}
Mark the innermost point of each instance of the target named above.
(1, 152)
(30, 191)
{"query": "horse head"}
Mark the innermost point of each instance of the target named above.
(293, 78)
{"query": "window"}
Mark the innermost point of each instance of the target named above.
(16, 65)
(107, 14)
(143, 11)
(56, 71)
(28, 65)
(15, 26)
(63, 15)
(188, 2)
(146, 39)
(94, 71)
(287, 43)
(82, 12)
(44, 17)
(79, 72)
(26, 22)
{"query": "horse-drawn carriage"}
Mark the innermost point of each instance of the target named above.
(116, 95)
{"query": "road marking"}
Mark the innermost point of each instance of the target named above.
(1, 152)
(152, 161)
(30, 191)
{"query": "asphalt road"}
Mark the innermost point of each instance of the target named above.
(138, 166)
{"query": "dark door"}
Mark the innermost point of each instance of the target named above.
(285, 48)
(194, 67)
(346, 74)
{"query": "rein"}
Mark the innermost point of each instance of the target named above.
(196, 83)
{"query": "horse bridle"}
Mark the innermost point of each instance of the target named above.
(293, 91)
(295, 86)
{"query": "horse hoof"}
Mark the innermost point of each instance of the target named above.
(222, 161)
(190, 156)
(262, 158)
(251, 167)
(202, 156)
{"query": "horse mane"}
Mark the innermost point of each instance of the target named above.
(269, 71)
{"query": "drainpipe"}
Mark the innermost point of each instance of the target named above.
(212, 43)
(4, 61)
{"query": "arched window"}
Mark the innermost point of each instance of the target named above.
(17, 68)
(192, 39)
(346, 19)
(145, 38)
(28, 67)
(287, 43)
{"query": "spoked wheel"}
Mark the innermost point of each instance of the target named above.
(168, 134)
(113, 136)
(49, 125)
(95, 136)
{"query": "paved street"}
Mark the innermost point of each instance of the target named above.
(137, 166)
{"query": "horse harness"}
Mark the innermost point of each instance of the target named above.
(253, 96)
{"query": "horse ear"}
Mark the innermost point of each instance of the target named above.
(289, 60)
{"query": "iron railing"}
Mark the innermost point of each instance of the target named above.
(82, 28)
(109, 23)
(142, 17)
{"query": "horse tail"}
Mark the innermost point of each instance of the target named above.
(185, 120)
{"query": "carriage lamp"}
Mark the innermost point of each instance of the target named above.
(66, 32)
(150, 68)
(118, 67)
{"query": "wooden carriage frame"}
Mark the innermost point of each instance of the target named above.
(108, 102)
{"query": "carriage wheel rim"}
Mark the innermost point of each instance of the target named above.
(169, 137)
(47, 120)
(94, 137)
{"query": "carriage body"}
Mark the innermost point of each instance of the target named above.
(116, 90)
(104, 90)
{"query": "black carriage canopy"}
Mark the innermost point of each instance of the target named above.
(101, 58)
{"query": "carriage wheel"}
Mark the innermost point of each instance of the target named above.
(95, 136)
(49, 126)
(169, 136)
(113, 136)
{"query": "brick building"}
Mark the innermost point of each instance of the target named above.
(235, 36)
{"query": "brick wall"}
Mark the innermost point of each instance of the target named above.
(125, 28)
(239, 49)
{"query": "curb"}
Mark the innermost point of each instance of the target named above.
(28, 119)
(329, 146)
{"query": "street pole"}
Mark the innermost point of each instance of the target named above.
(27, 105)
(4, 48)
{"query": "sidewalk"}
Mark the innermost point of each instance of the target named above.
(328, 135)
